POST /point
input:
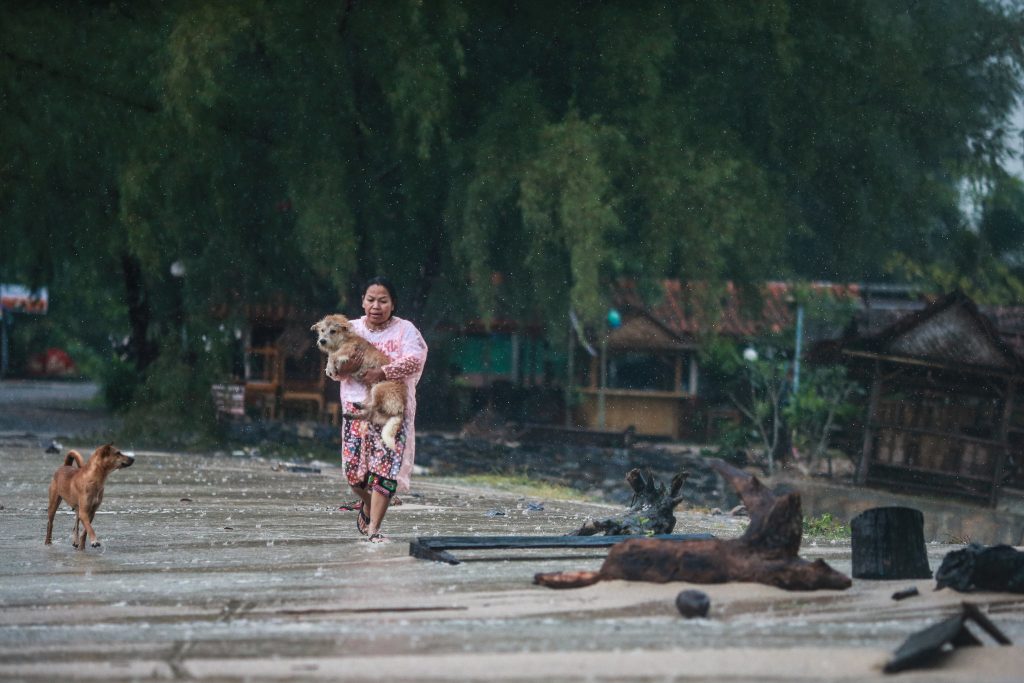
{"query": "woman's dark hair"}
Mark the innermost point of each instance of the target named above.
(386, 284)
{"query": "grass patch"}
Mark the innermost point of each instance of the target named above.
(524, 485)
(826, 526)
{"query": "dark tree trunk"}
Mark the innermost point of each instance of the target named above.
(888, 544)
(651, 511)
(765, 553)
(140, 348)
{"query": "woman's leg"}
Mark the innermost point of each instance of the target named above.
(353, 459)
(363, 495)
(383, 465)
(381, 489)
(378, 507)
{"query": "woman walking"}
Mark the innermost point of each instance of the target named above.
(374, 471)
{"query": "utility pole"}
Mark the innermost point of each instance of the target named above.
(799, 346)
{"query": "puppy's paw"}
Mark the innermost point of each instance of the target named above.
(95, 544)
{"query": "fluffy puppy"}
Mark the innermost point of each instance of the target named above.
(82, 488)
(386, 404)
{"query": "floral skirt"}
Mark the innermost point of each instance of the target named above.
(365, 455)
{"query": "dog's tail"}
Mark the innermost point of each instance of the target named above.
(390, 431)
(73, 458)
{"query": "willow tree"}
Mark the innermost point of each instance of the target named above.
(493, 158)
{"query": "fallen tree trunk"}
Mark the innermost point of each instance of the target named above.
(651, 511)
(767, 552)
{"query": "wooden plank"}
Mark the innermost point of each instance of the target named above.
(864, 464)
(435, 547)
(1004, 437)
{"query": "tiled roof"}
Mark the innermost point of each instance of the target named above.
(690, 309)
(1009, 322)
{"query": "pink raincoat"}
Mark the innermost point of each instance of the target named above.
(404, 345)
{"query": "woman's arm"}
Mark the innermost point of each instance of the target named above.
(411, 358)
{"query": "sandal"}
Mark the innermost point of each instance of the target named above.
(348, 507)
(362, 521)
(378, 538)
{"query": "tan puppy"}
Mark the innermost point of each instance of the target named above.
(82, 488)
(386, 406)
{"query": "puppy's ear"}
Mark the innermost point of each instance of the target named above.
(312, 328)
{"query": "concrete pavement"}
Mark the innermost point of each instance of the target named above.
(222, 568)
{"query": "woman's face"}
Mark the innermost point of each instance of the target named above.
(377, 305)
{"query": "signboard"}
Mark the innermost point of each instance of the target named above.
(229, 399)
(21, 299)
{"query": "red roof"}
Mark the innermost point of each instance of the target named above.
(691, 308)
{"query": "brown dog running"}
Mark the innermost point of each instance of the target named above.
(82, 488)
(385, 406)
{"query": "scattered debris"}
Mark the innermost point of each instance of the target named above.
(739, 511)
(649, 513)
(767, 552)
(436, 548)
(906, 593)
(55, 447)
(495, 512)
(925, 646)
(534, 507)
(303, 469)
(693, 603)
(184, 500)
(299, 469)
(888, 544)
(977, 567)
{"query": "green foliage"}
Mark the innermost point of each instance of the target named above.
(984, 261)
(825, 526)
(825, 398)
(172, 405)
(290, 150)
(119, 383)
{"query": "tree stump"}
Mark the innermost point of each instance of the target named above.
(767, 552)
(651, 511)
(888, 544)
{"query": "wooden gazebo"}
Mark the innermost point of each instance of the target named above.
(943, 414)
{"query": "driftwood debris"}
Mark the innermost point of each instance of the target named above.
(928, 645)
(766, 553)
(981, 568)
(888, 544)
(911, 592)
(650, 512)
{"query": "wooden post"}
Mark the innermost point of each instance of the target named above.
(888, 544)
(569, 373)
(1004, 443)
(601, 418)
(865, 455)
(693, 373)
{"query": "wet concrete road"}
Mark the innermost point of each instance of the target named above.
(226, 569)
(220, 568)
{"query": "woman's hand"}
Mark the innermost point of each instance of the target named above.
(338, 371)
